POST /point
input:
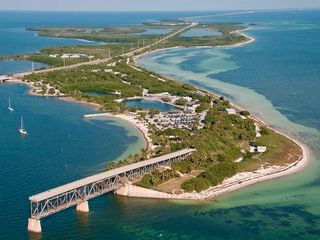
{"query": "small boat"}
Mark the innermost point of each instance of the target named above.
(21, 129)
(10, 108)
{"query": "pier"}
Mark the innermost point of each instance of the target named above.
(79, 192)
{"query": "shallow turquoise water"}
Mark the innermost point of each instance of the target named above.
(62, 146)
(156, 31)
(276, 78)
(149, 104)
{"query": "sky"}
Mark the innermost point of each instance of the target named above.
(154, 5)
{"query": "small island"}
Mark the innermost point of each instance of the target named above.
(233, 148)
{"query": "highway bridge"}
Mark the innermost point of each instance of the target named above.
(79, 192)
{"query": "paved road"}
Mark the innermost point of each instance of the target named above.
(99, 61)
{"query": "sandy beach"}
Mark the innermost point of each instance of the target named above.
(143, 128)
(240, 180)
(240, 32)
(128, 118)
(234, 183)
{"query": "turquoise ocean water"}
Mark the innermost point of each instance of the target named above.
(276, 77)
(149, 104)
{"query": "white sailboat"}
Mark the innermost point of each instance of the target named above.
(10, 108)
(21, 129)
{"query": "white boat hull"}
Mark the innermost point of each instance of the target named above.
(23, 132)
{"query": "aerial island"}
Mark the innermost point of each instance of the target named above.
(232, 148)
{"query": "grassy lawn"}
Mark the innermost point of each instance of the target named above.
(174, 185)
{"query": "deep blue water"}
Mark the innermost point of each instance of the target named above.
(62, 146)
(14, 37)
(149, 104)
(287, 71)
(283, 64)
(10, 66)
(18, 40)
(276, 77)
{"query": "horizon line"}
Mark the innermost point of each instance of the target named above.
(125, 11)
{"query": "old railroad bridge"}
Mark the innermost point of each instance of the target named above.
(79, 192)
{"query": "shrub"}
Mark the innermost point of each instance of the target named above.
(244, 113)
(197, 184)
(181, 102)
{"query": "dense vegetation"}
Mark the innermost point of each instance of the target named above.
(111, 34)
(78, 82)
(218, 145)
(223, 139)
(117, 40)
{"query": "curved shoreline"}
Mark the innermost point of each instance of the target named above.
(226, 186)
(240, 32)
(130, 120)
(96, 106)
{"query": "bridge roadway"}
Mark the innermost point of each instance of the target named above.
(79, 192)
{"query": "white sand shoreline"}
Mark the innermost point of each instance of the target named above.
(228, 185)
(237, 182)
(240, 32)
(129, 119)
(96, 106)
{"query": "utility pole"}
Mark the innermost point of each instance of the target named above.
(122, 50)
(64, 62)
(109, 55)
(32, 66)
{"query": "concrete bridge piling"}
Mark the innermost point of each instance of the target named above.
(79, 192)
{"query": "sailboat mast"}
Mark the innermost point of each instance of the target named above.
(21, 123)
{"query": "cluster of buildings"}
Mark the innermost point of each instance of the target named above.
(230, 111)
(40, 88)
(171, 99)
(71, 55)
(110, 70)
